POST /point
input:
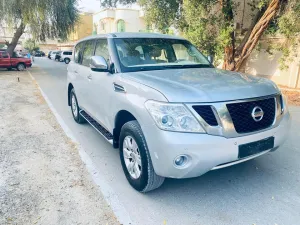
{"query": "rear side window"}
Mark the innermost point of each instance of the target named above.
(88, 52)
(102, 49)
(78, 53)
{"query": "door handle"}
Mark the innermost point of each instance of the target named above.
(75, 71)
(89, 77)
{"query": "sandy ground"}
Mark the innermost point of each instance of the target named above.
(42, 178)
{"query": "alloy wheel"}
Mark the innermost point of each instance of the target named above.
(74, 106)
(132, 157)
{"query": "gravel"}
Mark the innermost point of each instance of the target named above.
(42, 178)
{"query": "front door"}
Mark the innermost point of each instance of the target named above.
(101, 87)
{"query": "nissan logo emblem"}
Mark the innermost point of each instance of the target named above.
(257, 113)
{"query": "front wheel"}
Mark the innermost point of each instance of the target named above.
(135, 159)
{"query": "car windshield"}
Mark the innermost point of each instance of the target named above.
(136, 54)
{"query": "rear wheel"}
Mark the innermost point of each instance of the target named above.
(75, 108)
(21, 67)
(135, 159)
(67, 60)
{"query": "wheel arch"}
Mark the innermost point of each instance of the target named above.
(122, 117)
(23, 63)
(70, 87)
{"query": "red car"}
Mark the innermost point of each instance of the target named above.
(20, 63)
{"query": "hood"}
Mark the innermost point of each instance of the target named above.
(204, 84)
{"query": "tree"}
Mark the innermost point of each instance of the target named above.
(212, 24)
(31, 45)
(42, 18)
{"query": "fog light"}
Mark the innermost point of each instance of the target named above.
(180, 160)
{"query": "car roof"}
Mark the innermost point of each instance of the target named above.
(132, 35)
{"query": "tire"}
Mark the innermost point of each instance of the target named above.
(75, 108)
(21, 67)
(67, 60)
(148, 180)
(9, 69)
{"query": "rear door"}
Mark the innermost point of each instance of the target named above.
(73, 72)
(84, 72)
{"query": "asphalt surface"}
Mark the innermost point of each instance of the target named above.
(263, 191)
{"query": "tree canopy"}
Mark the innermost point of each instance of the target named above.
(217, 27)
(31, 45)
(42, 18)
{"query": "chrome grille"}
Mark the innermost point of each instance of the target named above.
(242, 119)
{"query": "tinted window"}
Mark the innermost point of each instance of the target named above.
(3, 55)
(78, 53)
(102, 49)
(137, 54)
(88, 52)
(67, 53)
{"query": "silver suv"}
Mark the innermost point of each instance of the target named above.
(168, 110)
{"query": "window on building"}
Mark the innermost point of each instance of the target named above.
(121, 26)
(102, 25)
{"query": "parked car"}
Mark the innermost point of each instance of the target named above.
(65, 56)
(57, 56)
(20, 63)
(49, 54)
(39, 54)
(168, 110)
(53, 54)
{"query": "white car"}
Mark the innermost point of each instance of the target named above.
(168, 110)
(66, 56)
(53, 54)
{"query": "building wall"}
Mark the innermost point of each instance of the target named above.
(83, 29)
(106, 21)
(265, 65)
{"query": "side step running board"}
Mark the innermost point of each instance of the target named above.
(106, 134)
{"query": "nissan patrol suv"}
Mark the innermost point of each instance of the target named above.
(168, 110)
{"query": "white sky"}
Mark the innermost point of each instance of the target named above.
(89, 5)
(94, 5)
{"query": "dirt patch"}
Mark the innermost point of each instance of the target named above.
(293, 97)
(42, 178)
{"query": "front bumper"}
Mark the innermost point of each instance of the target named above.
(206, 152)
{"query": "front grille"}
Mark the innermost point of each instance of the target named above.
(206, 112)
(243, 120)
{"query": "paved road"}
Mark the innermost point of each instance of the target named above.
(263, 191)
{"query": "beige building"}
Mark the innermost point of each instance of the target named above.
(83, 29)
(119, 20)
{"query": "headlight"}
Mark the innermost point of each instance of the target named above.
(173, 117)
(283, 103)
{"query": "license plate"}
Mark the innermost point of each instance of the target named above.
(256, 147)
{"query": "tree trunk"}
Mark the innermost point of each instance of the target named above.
(12, 45)
(229, 63)
(256, 33)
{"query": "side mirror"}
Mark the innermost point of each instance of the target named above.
(210, 59)
(98, 63)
